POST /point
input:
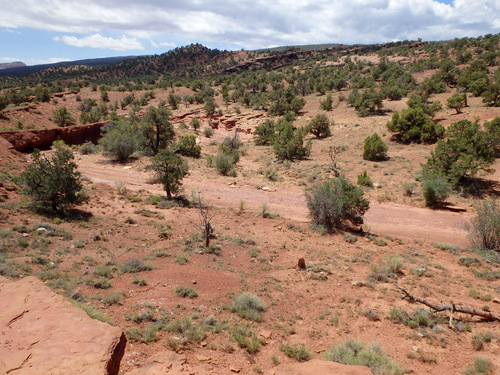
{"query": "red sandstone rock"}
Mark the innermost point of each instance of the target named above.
(42, 333)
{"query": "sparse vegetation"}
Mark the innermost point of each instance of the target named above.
(298, 352)
(184, 291)
(354, 352)
(248, 306)
(484, 229)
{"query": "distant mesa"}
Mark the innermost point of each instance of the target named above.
(15, 64)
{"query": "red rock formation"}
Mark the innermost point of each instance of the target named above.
(42, 333)
(28, 140)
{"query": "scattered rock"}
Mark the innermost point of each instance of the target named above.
(202, 358)
(301, 264)
(317, 366)
(162, 363)
(266, 334)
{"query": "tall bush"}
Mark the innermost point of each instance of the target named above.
(375, 149)
(53, 184)
(335, 202)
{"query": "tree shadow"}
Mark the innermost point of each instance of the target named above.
(480, 188)
(129, 160)
(445, 206)
(73, 214)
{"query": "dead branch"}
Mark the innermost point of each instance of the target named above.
(205, 218)
(333, 152)
(453, 308)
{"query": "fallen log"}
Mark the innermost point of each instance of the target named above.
(449, 307)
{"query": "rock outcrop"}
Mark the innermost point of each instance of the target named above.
(28, 140)
(42, 333)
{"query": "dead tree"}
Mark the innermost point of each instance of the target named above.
(205, 221)
(449, 307)
(332, 152)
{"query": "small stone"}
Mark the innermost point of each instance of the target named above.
(266, 188)
(266, 334)
(415, 348)
(202, 358)
(42, 230)
(236, 370)
(195, 282)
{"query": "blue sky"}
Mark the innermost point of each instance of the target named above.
(44, 31)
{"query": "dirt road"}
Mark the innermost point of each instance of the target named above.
(396, 220)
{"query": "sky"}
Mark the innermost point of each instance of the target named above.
(47, 31)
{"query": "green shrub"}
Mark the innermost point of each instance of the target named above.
(480, 339)
(435, 190)
(374, 149)
(367, 102)
(62, 117)
(103, 271)
(92, 312)
(113, 298)
(187, 146)
(484, 228)
(298, 352)
(148, 334)
(413, 125)
(208, 132)
(289, 142)
(195, 124)
(185, 327)
(264, 133)
(364, 179)
(354, 352)
(155, 131)
(119, 140)
(466, 151)
(87, 148)
(170, 169)
(53, 184)
(456, 102)
(248, 306)
(246, 338)
(225, 164)
(409, 188)
(481, 367)
(136, 265)
(334, 202)
(320, 126)
(184, 291)
(326, 105)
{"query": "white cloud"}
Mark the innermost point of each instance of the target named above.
(252, 23)
(50, 60)
(8, 59)
(102, 42)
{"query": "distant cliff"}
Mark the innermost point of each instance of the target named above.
(15, 64)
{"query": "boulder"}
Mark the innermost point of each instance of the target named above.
(42, 333)
(317, 366)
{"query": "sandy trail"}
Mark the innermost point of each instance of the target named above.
(386, 219)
